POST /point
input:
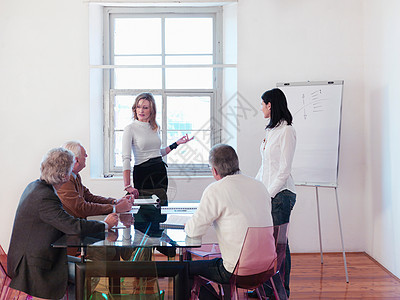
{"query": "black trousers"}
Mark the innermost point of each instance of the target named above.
(213, 270)
(151, 174)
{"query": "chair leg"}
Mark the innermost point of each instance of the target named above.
(261, 293)
(221, 291)
(227, 292)
(277, 285)
(234, 292)
(198, 283)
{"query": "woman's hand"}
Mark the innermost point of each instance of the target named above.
(131, 190)
(184, 139)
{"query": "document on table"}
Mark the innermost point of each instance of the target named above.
(175, 222)
(143, 201)
(179, 208)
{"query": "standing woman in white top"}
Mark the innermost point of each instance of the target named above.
(143, 139)
(277, 151)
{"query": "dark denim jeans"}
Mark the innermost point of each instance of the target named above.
(281, 208)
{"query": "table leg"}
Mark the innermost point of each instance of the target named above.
(177, 270)
(80, 281)
(115, 285)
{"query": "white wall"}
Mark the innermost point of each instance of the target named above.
(288, 41)
(44, 90)
(382, 94)
(44, 83)
(45, 101)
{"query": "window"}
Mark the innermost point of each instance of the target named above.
(172, 53)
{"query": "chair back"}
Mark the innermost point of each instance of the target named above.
(3, 277)
(261, 257)
(262, 254)
(3, 258)
(258, 252)
(6, 292)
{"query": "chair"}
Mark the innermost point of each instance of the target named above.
(9, 293)
(261, 257)
(3, 259)
(3, 278)
(6, 292)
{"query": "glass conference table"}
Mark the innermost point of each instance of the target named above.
(137, 230)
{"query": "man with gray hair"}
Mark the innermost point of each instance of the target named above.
(232, 204)
(35, 267)
(78, 200)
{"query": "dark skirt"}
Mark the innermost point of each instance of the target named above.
(149, 178)
(151, 174)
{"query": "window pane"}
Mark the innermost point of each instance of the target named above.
(189, 60)
(137, 36)
(194, 152)
(188, 35)
(159, 118)
(138, 78)
(118, 149)
(137, 60)
(189, 78)
(123, 111)
(150, 39)
(184, 119)
(188, 112)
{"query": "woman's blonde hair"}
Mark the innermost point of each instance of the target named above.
(149, 97)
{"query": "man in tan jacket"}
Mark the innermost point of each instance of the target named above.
(78, 201)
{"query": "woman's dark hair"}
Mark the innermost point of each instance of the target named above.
(279, 109)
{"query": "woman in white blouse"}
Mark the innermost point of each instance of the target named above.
(277, 151)
(142, 138)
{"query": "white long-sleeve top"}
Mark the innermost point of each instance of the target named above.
(277, 151)
(143, 141)
(231, 204)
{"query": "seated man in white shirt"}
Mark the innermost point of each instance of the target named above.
(232, 204)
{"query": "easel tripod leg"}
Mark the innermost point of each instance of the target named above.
(341, 236)
(319, 225)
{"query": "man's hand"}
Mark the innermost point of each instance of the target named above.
(111, 220)
(112, 236)
(127, 219)
(130, 197)
(124, 204)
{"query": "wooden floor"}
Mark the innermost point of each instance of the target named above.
(367, 279)
(312, 280)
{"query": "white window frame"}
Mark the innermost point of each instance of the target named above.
(215, 93)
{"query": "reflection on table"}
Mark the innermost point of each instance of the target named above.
(134, 234)
(133, 230)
